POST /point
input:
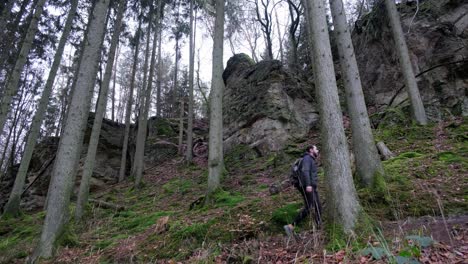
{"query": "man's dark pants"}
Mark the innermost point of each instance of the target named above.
(311, 200)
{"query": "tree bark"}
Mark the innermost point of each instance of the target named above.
(189, 153)
(181, 126)
(215, 152)
(68, 153)
(115, 80)
(344, 206)
(141, 97)
(12, 85)
(12, 207)
(384, 150)
(280, 39)
(145, 106)
(123, 161)
(368, 162)
(158, 78)
(101, 109)
(417, 106)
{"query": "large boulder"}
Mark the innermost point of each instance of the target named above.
(265, 106)
(107, 164)
(437, 42)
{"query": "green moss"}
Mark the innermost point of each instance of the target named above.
(239, 156)
(134, 222)
(178, 186)
(164, 128)
(68, 237)
(223, 198)
(450, 157)
(286, 214)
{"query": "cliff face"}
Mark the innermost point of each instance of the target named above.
(437, 39)
(265, 105)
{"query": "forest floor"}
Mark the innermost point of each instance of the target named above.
(421, 218)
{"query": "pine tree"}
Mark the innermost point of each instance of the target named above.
(101, 107)
(68, 153)
(417, 106)
(368, 163)
(215, 152)
(12, 207)
(343, 204)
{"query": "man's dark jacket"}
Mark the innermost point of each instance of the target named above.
(308, 171)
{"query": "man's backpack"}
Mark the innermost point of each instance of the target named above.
(295, 172)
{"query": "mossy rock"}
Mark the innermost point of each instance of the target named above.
(286, 214)
(238, 156)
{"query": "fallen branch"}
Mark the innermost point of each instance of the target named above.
(40, 173)
(384, 151)
(107, 205)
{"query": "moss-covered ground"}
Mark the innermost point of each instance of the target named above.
(167, 220)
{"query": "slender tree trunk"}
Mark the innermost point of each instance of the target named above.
(141, 94)
(146, 103)
(368, 162)
(189, 154)
(101, 109)
(215, 152)
(176, 71)
(344, 206)
(12, 85)
(5, 16)
(68, 153)
(158, 78)
(12, 207)
(279, 37)
(417, 106)
(181, 125)
(115, 80)
(123, 161)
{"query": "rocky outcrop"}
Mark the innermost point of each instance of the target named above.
(438, 45)
(264, 105)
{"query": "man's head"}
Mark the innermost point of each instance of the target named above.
(313, 151)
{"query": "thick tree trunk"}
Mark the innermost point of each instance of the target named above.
(189, 153)
(215, 154)
(368, 162)
(123, 161)
(12, 85)
(417, 106)
(101, 109)
(68, 153)
(343, 204)
(146, 103)
(12, 207)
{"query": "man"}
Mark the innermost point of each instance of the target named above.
(307, 186)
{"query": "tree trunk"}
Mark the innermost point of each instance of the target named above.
(176, 70)
(101, 109)
(145, 106)
(189, 154)
(417, 106)
(215, 154)
(158, 78)
(123, 161)
(280, 38)
(12, 207)
(115, 80)
(141, 94)
(343, 204)
(68, 153)
(368, 162)
(181, 126)
(12, 85)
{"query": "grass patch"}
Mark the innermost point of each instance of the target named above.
(286, 214)
(450, 157)
(223, 198)
(178, 186)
